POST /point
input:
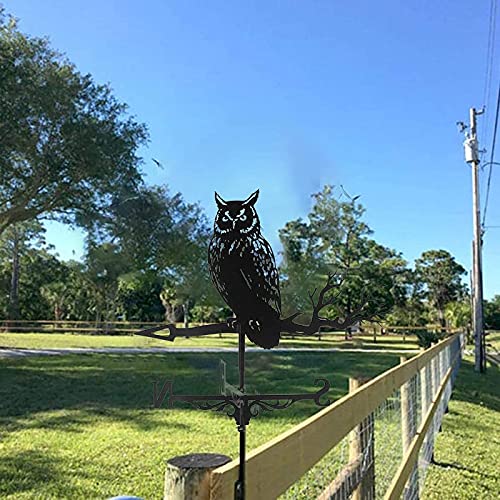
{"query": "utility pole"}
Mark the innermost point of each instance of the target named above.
(472, 157)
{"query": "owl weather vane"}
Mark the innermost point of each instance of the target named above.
(243, 269)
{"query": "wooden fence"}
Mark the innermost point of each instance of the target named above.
(422, 387)
(88, 327)
(130, 327)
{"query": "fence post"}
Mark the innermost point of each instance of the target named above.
(408, 428)
(433, 377)
(425, 388)
(447, 364)
(439, 364)
(434, 384)
(362, 448)
(425, 403)
(188, 477)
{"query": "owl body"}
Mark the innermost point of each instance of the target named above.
(243, 269)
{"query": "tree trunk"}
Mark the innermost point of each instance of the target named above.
(58, 310)
(97, 319)
(169, 308)
(106, 314)
(442, 320)
(169, 312)
(14, 282)
(185, 311)
(348, 332)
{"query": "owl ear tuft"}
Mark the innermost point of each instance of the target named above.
(220, 202)
(251, 199)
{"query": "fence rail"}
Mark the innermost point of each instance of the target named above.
(403, 407)
(60, 326)
(130, 327)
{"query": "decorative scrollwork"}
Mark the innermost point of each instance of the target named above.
(322, 391)
(222, 406)
(256, 406)
(243, 407)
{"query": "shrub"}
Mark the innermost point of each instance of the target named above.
(426, 338)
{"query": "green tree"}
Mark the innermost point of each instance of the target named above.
(138, 297)
(410, 307)
(161, 233)
(336, 239)
(441, 275)
(66, 143)
(80, 302)
(38, 268)
(302, 267)
(187, 283)
(152, 227)
(15, 243)
(492, 313)
(56, 293)
(104, 265)
(458, 314)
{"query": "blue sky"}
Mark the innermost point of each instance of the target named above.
(288, 95)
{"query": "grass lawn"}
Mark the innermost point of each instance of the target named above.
(83, 426)
(467, 453)
(493, 341)
(54, 340)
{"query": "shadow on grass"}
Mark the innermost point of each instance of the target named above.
(453, 465)
(25, 471)
(36, 467)
(478, 388)
(120, 386)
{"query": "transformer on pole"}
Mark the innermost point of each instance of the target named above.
(471, 151)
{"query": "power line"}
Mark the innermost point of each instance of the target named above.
(490, 52)
(490, 49)
(492, 156)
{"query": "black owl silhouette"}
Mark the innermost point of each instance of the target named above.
(243, 269)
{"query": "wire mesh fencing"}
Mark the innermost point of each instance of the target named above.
(387, 454)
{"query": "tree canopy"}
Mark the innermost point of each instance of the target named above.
(335, 239)
(492, 313)
(66, 143)
(442, 276)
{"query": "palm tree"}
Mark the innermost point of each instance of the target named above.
(55, 294)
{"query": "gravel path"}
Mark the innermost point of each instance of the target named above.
(22, 353)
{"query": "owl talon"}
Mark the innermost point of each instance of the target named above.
(254, 324)
(233, 323)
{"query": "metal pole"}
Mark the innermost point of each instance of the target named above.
(476, 271)
(241, 358)
(239, 487)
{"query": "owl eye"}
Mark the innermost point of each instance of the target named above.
(242, 217)
(224, 218)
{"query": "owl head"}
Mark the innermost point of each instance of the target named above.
(236, 218)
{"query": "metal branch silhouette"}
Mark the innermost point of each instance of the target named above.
(287, 325)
